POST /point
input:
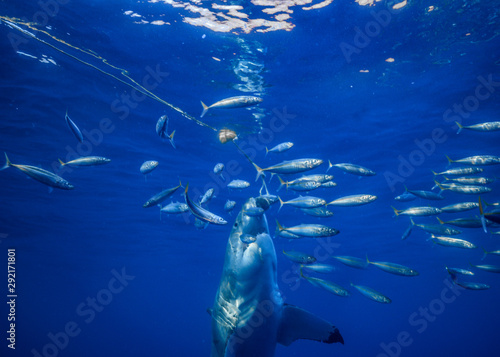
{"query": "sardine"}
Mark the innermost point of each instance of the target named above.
(232, 102)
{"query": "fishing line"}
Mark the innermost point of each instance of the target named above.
(14, 23)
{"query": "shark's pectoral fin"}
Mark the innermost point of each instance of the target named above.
(297, 323)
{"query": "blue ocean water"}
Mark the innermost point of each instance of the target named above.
(99, 275)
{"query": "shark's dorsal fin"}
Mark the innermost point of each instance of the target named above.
(297, 323)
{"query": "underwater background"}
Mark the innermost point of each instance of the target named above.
(378, 84)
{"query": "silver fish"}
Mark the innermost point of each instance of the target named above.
(394, 268)
(465, 189)
(161, 130)
(238, 184)
(460, 171)
(162, 196)
(229, 205)
(86, 161)
(478, 160)
(352, 262)
(148, 166)
(353, 200)
(471, 285)
(309, 230)
(488, 267)
(488, 126)
(405, 197)
(280, 147)
(471, 180)
(452, 242)
(207, 196)
(201, 213)
(372, 294)
(175, 208)
(460, 207)
(300, 185)
(289, 167)
(317, 212)
(458, 271)
(319, 268)
(73, 127)
(41, 175)
(428, 195)
(327, 285)
(298, 257)
(304, 202)
(417, 211)
(232, 102)
(352, 169)
(464, 222)
(437, 229)
(218, 168)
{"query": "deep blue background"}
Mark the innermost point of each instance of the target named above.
(68, 242)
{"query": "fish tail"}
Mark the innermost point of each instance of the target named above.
(205, 108)
(171, 136)
(329, 165)
(186, 189)
(279, 227)
(485, 253)
(440, 220)
(434, 172)
(481, 213)
(412, 222)
(180, 183)
(396, 211)
(267, 151)
(281, 204)
(460, 127)
(367, 261)
(61, 162)
(449, 160)
(260, 172)
(282, 183)
(7, 162)
(439, 185)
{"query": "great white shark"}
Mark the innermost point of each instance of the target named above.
(249, 316)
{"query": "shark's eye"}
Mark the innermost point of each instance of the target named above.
(235, 225)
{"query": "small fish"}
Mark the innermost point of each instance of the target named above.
(452, 242)
(428, 195)
(488, 267)
(372, 294)
(471, 285)
(218, 168)
(405, 197)
(309, 230)
(304, 202)
(175, 208)
(317, 212)
(287, 235)
(460, 207)
(488, 126)
(322, 178)
(254, 211)
(494, 252)
(202, 213)
(86, 161)
(73, 127)
(417, 211)
(479, 160)
(471, 180)
(280, 148)
(41, 175)
(352, 169)
(353, 200)
(229, 205)
(238, 184)
(458, 271)
(319, 268)
(468, 190)
(460, 171)
(148, 166)
(162, 196)
(289, 167)
(394, 268)
(298, 257)
(464, 222)
(232, 102)
(407, 232)
(209, 194)
(437, 229)
(327, 285)
(300, 185)
(352, 262)
(328, 184)
(161, 130)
